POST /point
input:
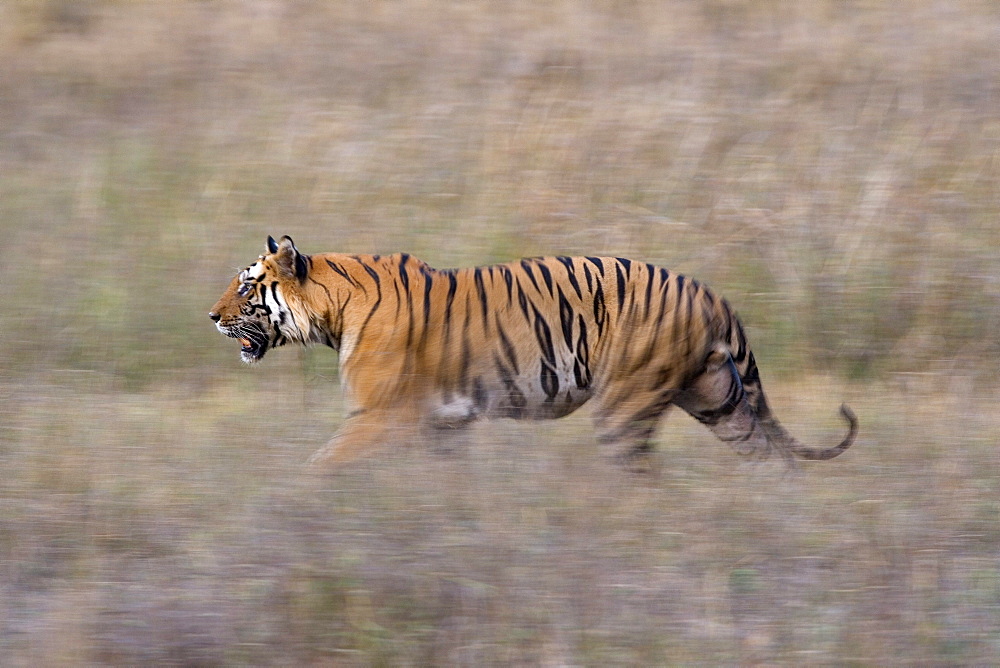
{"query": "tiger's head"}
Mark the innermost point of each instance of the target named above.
(263, 306)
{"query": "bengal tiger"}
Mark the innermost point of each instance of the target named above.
(535, 338)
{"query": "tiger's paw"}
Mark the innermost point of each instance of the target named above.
(641, 461)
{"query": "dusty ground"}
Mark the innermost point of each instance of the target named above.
(169, 526)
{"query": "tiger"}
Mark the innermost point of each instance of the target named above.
(535, 338)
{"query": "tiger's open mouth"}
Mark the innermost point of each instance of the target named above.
(251, 351)
(253, 341)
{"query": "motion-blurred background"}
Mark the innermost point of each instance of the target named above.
(831, 167)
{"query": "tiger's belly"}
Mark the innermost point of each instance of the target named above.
(531, 395)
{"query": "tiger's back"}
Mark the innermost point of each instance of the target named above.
(536, 338)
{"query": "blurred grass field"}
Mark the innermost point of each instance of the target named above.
(830, 167)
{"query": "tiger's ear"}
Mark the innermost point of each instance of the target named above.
(271, 245)
(290, 261)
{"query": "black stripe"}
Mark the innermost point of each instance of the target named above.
(516, 400)
(526, 266)
(688, 302)
(581, 366)
(325, 289)
(546, 275)
(728, 336)
(466, 355)
(621, 288)
(589, 277)
(508, 278)
(731, 403)
(664, 293)
(596, 261)
(428, 283)
(677, 331)
(571, 275)
(481, 291)
(343, 272)
(752, 376)
(654, 337)
(549, 381)
(543, 334)
(566, 319)
(263, 300)
(741, 342)
(709, 299)
(522, 301)
(649, 289)
(452, 286)
(378, 302)
(600, 312)
(446, 344)
(403, 276)
(399, 301)
(508, 350)
(371, 271)
(409, 318)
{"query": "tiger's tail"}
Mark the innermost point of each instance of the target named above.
(779, 438)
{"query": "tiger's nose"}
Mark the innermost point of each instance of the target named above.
(215, 317)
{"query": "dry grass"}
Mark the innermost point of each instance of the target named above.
(171, 527)
(831, 167)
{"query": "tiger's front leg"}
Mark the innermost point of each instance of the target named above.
(364, 432)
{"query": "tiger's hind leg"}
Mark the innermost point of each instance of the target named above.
(625, 421)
